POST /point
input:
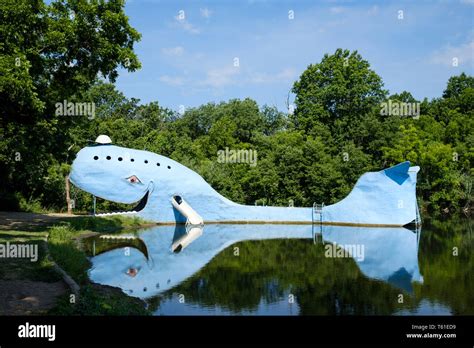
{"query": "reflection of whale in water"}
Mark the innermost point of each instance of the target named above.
(97, 245)
(388, 252)
(185, 236)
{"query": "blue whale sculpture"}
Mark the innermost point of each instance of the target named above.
(123, 175)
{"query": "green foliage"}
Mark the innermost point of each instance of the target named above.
(66, 252)
(446, 259)
(23, 268)
(63, 250)
(100, 301)
(440, 142)
(63, 246)
(105, 224)
(50, 53)
(31, 206)
(337, 92)
(336, 133)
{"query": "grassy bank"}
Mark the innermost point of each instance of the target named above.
(20, 268)
(63, 239)
(65, 249)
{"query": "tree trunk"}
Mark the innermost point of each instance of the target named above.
(68, 197)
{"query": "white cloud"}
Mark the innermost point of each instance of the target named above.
(227, 76)
(186, 26)
(464, 54)
(172, 80)
(173, 51)
(205, 12)
(287, 74)
(221, 77)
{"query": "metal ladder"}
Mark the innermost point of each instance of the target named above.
(317, 210)
(417, 223)
(418, 216)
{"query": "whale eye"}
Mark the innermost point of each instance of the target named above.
(133, 180)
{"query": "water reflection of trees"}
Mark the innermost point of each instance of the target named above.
(269, 270)
(448, 279)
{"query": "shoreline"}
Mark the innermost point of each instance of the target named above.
(61, 270)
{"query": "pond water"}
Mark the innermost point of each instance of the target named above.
(292, 269)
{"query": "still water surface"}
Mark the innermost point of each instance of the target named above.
(292, 269)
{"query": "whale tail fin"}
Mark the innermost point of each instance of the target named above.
(387, 197)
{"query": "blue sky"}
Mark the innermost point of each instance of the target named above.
(191, 61)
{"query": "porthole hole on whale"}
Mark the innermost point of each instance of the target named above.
(158, 164)
(169, 167)
(120, 159)
(108, 158)
(146, 161)
(96, 158)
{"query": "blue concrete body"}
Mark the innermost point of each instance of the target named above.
(387, 197)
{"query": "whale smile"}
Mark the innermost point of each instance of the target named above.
(138, 206)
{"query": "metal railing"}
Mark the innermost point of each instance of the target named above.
(318, 212)
(317, 217)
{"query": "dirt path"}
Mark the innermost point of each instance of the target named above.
(28, 221)
(26, 297)
(20, 296)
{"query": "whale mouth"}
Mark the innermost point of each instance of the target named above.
(138, 206)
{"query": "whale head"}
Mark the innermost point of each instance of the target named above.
(124, 175)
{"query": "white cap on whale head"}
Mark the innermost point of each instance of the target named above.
(103, 139)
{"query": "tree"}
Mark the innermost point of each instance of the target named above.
(457, 85)
(336, 92)
(50, 53)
